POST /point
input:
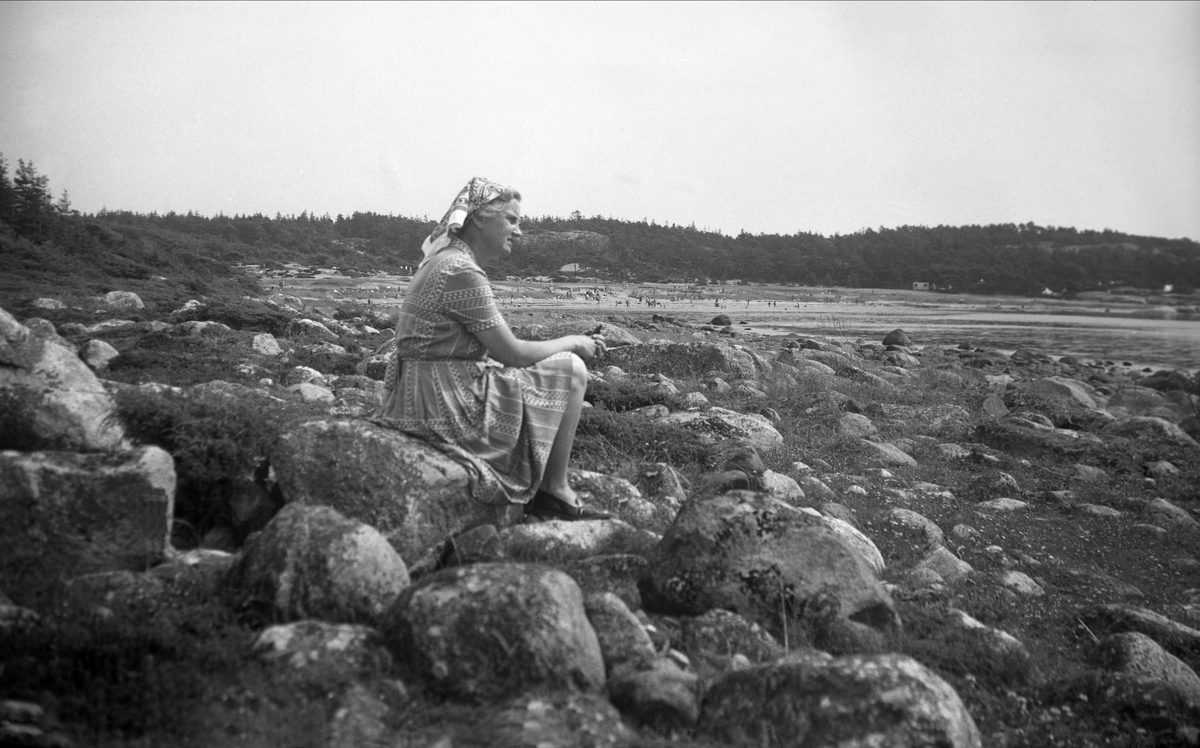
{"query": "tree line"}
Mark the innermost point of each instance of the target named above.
(1021, 258)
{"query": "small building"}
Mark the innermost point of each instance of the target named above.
(921, 286)
(572, 267)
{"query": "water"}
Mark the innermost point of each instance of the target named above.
(1157, 343)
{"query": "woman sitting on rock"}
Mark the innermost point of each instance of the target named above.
(459, 379)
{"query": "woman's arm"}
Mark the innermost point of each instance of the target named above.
(510, 350)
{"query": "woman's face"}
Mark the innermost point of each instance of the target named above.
(498, 231)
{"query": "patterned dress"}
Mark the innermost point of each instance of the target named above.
(497, 421)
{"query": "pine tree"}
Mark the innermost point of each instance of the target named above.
(7, 196)
(63, 206)
(32, 199)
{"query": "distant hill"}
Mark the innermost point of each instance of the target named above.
(47, 245)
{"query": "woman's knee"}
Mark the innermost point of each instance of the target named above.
(579, 371)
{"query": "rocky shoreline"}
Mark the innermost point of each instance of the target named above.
(796, 588)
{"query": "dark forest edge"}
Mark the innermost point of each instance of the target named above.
(46, 245)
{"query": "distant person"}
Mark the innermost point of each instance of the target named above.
(505, 408)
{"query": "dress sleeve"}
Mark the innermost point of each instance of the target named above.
(468, 299)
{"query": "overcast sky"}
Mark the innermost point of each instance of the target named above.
(760, 117)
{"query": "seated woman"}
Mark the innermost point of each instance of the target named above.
(459, 379)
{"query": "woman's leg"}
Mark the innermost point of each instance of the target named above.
(554, 480)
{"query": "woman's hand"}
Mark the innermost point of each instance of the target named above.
(590, 348)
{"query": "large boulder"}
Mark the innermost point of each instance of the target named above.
(785, 569)
(1155, 431)
(489, 632)
(684, 359)
(49, 399)
(1132, 400)
(67, 512)
(311, 562)
(718, 424)
(409, 491)
(1139, 656)
(885, 700)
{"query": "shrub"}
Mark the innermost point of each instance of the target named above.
(216, 440)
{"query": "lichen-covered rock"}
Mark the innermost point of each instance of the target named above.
(659, 695)
(97, 353)
(1168, 516)
(684, 359)
(1153, 430)
(777, 565)
(1022, 436)
(312, 562)
(714, 640)
(1140, 656)
(493, 631)
(884, 700)
(559, 541)
(49, 399)
(1178, 639)
(265, 344)
(555, 719)
(719, 424)
(123, 300)
(885, 453)
(76, 513)
(399, 485)
(945, 564)
(323, 650)
(916, 526)
(623, 640)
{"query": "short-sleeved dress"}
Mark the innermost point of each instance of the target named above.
(497, 421)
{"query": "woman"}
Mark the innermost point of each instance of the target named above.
(505, 408)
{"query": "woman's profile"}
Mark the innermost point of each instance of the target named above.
(462, 381)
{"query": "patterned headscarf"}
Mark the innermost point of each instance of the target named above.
(475, 195)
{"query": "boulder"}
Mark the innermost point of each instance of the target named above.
(47, 304)
(660, 695)
(574, 540)
(897, 337)
(489, 632)
(49, 399)
(624, 642)
(414, 494)
(1178, 639)
(684, 359)
(856, 425)
(715, 641)
(916, 527)
(1154, 431)
(301, 326)
(122, 300)
(1168, 516)
(721, 320)
(312, 562)
(782, 568)
(323, 651)
(265, 344)
(885, 453)
(1063, 391)
(718, 424)
(1138, 655)
(887, 700)
(66, 512)
(1133, 400)
(1022, 436)
(96, 354)
(945, 564)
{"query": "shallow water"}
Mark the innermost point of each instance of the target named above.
(1173, 344)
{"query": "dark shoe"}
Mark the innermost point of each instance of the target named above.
(545, 506)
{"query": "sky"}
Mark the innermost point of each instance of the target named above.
(759, 117)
